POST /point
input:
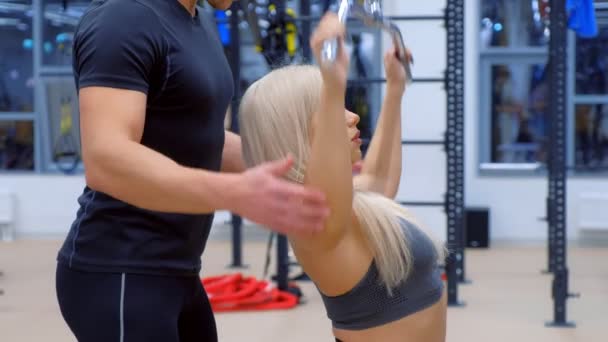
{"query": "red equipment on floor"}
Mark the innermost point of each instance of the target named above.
(235, 292)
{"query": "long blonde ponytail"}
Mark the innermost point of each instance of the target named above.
(379, 218)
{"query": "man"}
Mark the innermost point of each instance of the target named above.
(154, 87)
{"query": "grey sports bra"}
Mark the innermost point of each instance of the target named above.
(368, 304)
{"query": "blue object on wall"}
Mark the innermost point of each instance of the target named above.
(48, 47)
(582, 17)
(28, 44)
(63, 38)
(223, 27)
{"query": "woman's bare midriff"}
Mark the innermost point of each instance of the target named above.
(428, 325)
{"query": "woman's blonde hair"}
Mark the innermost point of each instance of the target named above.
(274, 119)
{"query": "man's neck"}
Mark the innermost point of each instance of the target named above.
(190, 5)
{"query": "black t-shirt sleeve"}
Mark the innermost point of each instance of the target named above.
(118, 45)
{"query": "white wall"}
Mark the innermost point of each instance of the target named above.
(516, 203)
(424, 110)
(44, 204)
(47, 204)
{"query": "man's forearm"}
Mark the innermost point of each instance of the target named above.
(147, 179)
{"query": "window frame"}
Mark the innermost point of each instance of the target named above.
(48, 67)
(488, 56)
(40, 115)
(48, 165)
(495, 55)
(29, 116)
(485, 120)
(44, 74)
(574, 99)
(5, 117)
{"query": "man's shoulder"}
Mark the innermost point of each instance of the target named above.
(126, 5)
(120, 19)
(126, 14)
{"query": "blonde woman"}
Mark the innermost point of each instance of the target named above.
(375, 268)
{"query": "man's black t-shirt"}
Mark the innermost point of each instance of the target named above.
(159, 48)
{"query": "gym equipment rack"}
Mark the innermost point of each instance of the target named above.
(234, 59)
(454, 145)
(556, 200)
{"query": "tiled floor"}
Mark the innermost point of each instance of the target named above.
(508, 300)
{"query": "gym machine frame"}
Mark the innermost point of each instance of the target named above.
(453, 143)
(235, 65)
(556, 201)
(454, 146)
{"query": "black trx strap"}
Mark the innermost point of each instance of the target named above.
(278, 41)
(65, 150)
(279, 44)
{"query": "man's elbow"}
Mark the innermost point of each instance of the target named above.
(94, 179)
(97, 174)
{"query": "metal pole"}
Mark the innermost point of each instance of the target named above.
(551, 184)
(282, 277)
(550, 224)
(235, 65)
(462, 278)
(557, 171)
(282, 263)
(237, 242)
(305, 28)
(455, 146)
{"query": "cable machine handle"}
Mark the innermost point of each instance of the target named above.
(330, 47)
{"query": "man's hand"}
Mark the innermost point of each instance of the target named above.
(266, 198)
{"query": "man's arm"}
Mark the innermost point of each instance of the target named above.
(112, 122)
